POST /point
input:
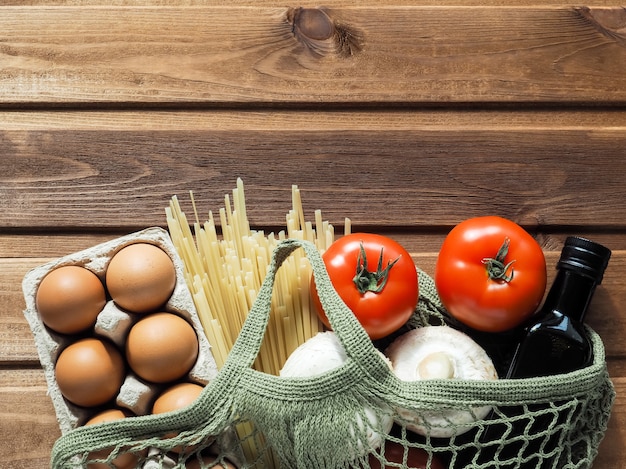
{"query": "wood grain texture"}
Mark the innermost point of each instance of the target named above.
(28, 427)
(235, 55)
(280, 4)
(550, 118)
(29, 247)
(433, 174)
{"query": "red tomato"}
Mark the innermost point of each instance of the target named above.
(394, 453)
(490, 274)
(376, 277)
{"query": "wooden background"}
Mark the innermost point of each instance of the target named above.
(407, 117)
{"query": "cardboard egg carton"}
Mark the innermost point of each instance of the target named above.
(113, 323)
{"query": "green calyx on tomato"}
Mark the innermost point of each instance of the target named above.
(382, 301)
(496, 268)
(371, 281)
(483, 291)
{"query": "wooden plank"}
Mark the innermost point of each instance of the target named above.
(25, 405)
(18, 346)
(233, 55)
(41, 248)
(28, 427)
(612, 452)
(607, 313)
(48, 246)
(549, 118)
(434, 175)
(305, 3)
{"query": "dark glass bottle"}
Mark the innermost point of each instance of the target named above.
(555, 341)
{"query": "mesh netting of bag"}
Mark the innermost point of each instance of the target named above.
(359, 414)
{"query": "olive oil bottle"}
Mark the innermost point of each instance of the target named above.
(555, 341)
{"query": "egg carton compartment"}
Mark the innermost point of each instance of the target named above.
(137, 394)
(113, 323)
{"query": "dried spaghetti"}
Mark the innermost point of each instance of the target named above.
(224, 274)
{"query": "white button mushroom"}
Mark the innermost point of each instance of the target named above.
(437, 365)
(324, 352)
(440, 352)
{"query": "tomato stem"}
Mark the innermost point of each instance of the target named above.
(496, 268)
(371, 281)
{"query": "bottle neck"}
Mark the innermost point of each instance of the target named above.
(570, 294)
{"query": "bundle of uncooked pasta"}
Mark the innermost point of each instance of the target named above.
(224, 272)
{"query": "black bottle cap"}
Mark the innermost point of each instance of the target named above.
(587, 257)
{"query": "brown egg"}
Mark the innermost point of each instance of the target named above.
(90, 372)
(161, 347)
(107, 415)
(140, 277)
(123, 461)
(176, 397)
(173, 398)
(69, 299)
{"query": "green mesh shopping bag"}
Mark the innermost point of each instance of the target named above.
(358, 415)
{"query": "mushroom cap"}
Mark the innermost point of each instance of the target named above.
(440, 352)
(324, 352)
(468, 359)
(321, 353)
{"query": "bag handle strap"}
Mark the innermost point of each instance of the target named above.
(344, 323)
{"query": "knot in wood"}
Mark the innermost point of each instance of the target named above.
(313, 23)
(323, 34)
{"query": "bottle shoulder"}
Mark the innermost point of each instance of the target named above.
(557, 323)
